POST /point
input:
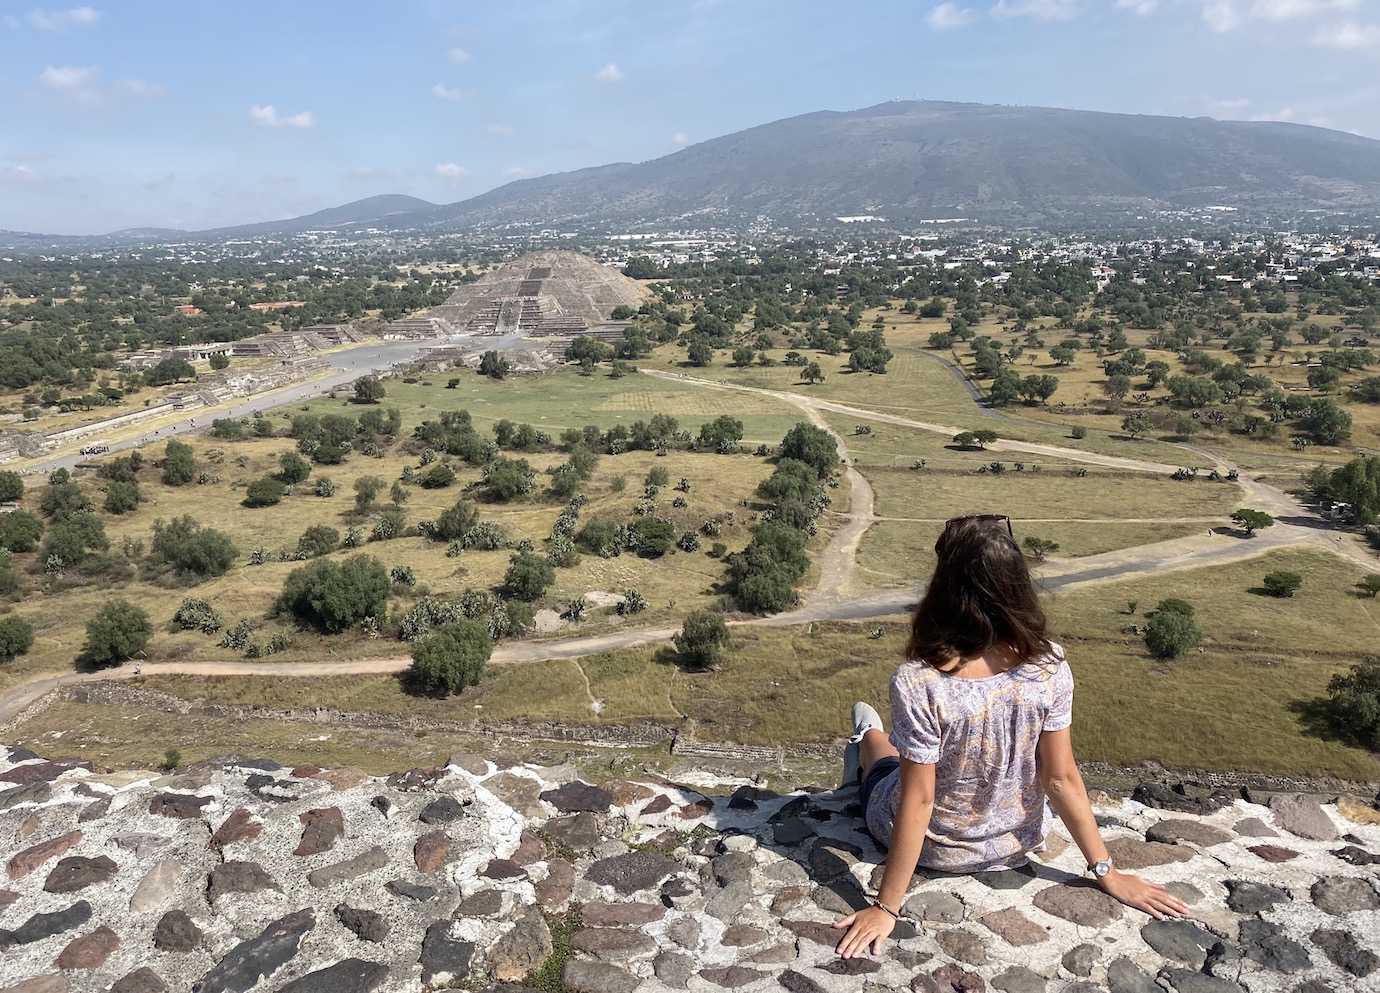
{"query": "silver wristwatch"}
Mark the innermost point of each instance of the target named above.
(1100, 869)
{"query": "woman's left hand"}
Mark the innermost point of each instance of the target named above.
(867, 928)
(1137, 893)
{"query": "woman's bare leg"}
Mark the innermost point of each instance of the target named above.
(875, 745)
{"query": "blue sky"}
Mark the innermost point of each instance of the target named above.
(198, 113)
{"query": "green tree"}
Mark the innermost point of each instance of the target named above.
(721, 434)
(118, 632)
(493, 365)
(292, 468)
(1252, 521)
(367, 489)
(527, 577)
(190, 550)
(703, 639)
(438, 476)
(455, 521)
(812, 445)
(1040, 548)
(1282, 583)
(1136, 424)
(369, 389)
(11, 486)
(169, 370)
(451, 657)
(335, 596)
(1353, 702)
(219, 361)
(16, 638)
(179, 464)
(652, 536)
(1170, 633)
(121, 496)
(699, 353)
(318, 540)
(811, 374)
(20, 531)
(508, 479)
(743, 356)
(263, 492)
(71, 539)
(1371, 584)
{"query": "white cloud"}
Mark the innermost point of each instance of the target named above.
(1040, 10)
(500, 129)
(458, 56)
(1348, 36)
(949, 15)
(452, 93)
(61, 20)
(17, 173)
(1221, 15)
(609, 74)
(1288, 10)
(680, 138)
(141, 88)
(68, 79)
(450, 170)
(518, 172)
(1142, 8)
(267, 116)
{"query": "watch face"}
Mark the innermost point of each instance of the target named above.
(1103, 867)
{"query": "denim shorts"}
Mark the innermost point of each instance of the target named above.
(882, 768)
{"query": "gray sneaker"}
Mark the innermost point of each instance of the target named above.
(865, 718)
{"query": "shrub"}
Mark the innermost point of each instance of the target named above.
(16, 638)
(560, 552)
(485, 536)
(318, 540)
(657, 476)
(9, 579)
(507, 479)
(198, 615)
(227, 429)
(237, 636)
(1282, 583)
(391, 523)
(179, 465)
(1078, 432)
(403, 575)
(633, 602)
(1039, 548)
(527, 577)
(62, 497)
(763, 575)
(1169, 634)
(334, 596)
(292, 468)
(437, 477)
(118, 632)
(368, 389)
(600, 537)
(1173, 605)
(651, 537)
(11, 486)
(20, 531)
(1252, 521)
(121, 497)
(702, 640)
(367, 489)
(452, 657)
(1353, 702)
(264, 492)
(325, 487)
(1371, 584)
(688, 542)
(71, 539)
(190, 550)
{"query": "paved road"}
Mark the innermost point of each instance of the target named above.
(347, 366)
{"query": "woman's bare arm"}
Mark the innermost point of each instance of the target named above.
(1063, 784)
(867, 928)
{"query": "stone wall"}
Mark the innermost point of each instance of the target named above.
(243, 874)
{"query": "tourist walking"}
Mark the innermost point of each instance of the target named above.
(980, 746)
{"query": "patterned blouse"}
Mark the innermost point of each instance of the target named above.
(980, 735)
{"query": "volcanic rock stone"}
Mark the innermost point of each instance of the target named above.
(1182, 941)
(952, 978)
(239, 826)
(444, 958)
(1013, 927)
(598, 913)
(1007, 879)
(1246, 897)
(613, 944)
(416, 780)
(674, 969)
(1019, 979)
(1345, 953)
(1082, 904)
(157, 886)
(410, 891)
(1344, 894)
(40, 926)
(597, 977)
(32, 793)
(1080, 959)
(502, 869)
(442, 810)
(1176, 831)
(731, 977)
(346, 976)
(631, 872)
(743, 935)
(553, 892)
(484, 903)
(1273, 853)
(519, 792)
(430, 851)
(522, 950)
(1182, 800)
(1266, 943)
(1124, 976)
(55, 983)
(76, 872)
(1303, 816)
(40, 772)
(1132, 854)
(321, 828)
(579, 832)
(34, 856)
(1187, 981)
(685, 931)
(1254, 827)
(935, 907)
(368, 861)
(141, 980)
(578, 796)
(366, 924)
(238, 877)
(182, 806)
(725, 902)
(176, 932)
(89, 951)
(260, 957)
(962, 945)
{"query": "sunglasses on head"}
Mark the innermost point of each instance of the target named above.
(981, 518)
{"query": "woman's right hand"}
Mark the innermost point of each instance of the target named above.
(1137, 893)
(867, 928)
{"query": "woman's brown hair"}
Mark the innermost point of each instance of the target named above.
(981, 595)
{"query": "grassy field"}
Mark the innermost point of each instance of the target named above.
(1234, 705)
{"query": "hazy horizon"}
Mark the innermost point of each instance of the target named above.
(152, 115)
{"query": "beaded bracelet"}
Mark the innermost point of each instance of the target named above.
(881, 906)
